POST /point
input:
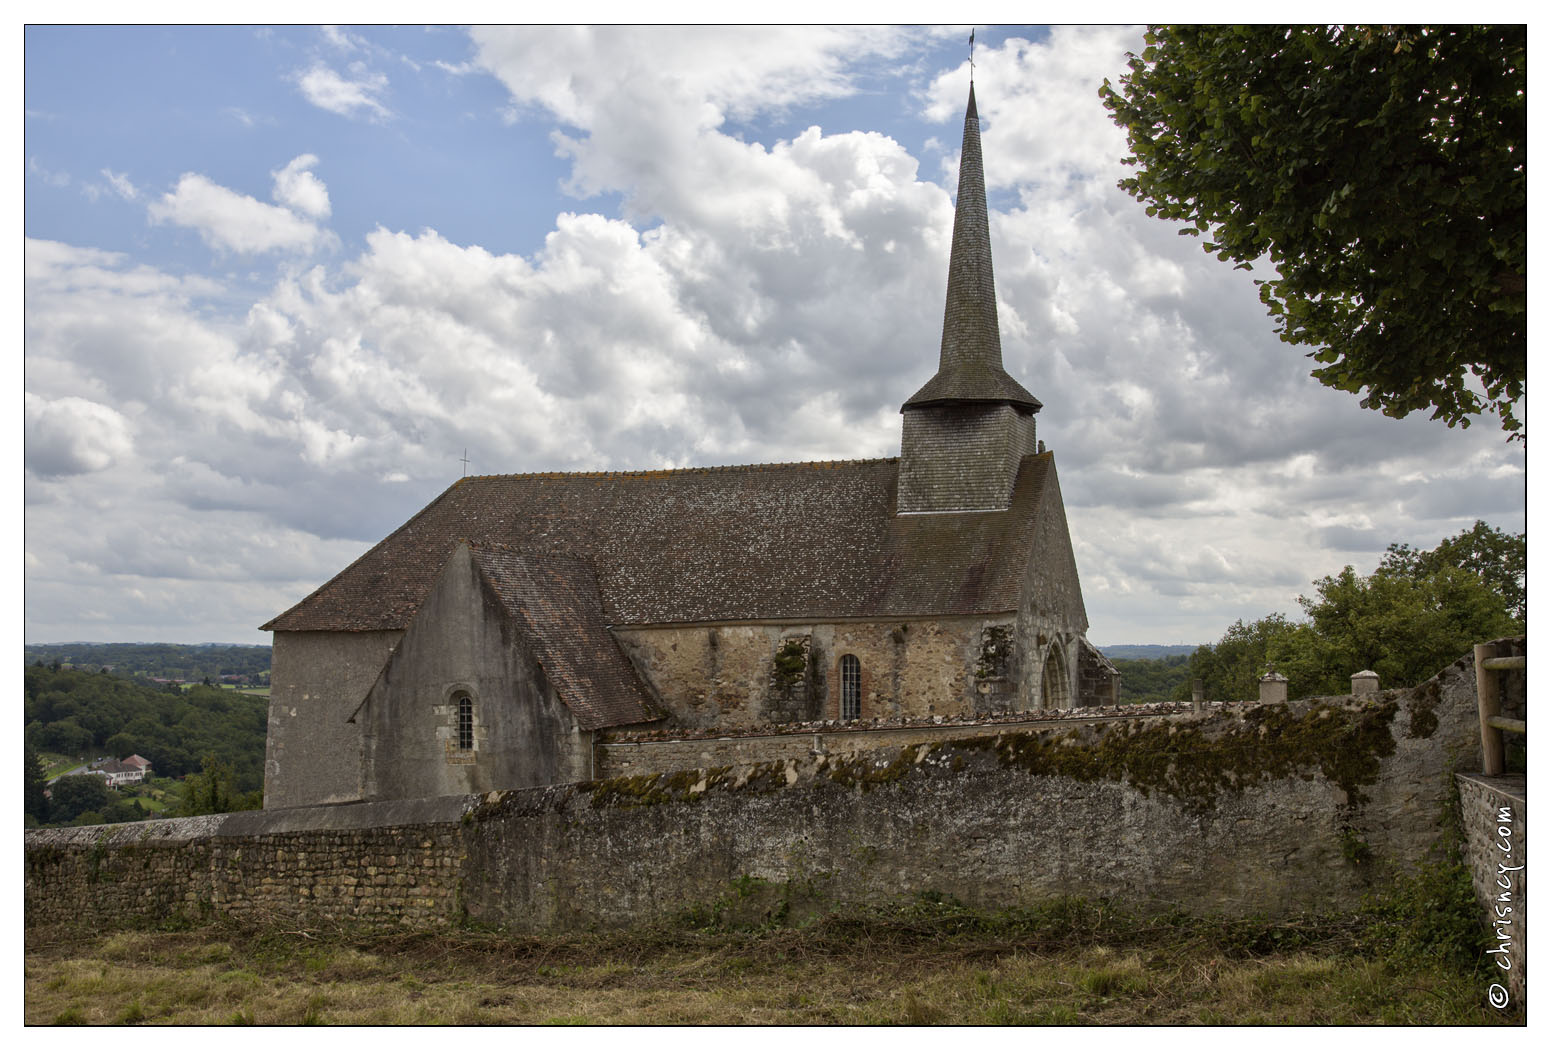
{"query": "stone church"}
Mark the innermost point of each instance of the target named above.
(500, 634)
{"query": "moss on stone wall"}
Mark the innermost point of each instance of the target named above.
(995, 651)
(789, 665)
(1230, 824)
(868, 772)
(1185, 761)
(1191, 761)
(1421, 706)
(651, 789)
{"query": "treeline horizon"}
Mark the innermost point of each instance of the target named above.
(187, 662)
(1415, 614)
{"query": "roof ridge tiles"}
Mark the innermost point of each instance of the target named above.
(647, 472)
(702, 545)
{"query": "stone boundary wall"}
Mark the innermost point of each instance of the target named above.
(398, 862)
(1495, 815)
(1266, 809)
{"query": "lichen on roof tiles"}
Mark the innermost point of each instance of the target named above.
(778, 541)
(555, 600)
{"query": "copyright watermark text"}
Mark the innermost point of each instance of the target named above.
(1504, 928)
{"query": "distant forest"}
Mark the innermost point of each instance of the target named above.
(1144, 652)
(1150, 681)
(243, 665)
(86, 714)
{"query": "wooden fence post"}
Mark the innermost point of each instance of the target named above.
(1489, 702)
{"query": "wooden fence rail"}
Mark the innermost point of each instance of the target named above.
(1489, 701)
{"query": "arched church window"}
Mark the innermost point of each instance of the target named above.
(465, 723)
(850, 687)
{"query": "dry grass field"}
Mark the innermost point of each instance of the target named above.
(931, 962)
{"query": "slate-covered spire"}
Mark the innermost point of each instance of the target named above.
(970, 366)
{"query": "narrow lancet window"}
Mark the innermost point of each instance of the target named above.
(465, 723)
(850, 687)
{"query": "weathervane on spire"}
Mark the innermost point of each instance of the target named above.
(971, 55)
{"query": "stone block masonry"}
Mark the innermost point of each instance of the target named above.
(376, 863)
(1495, 814)
(1236, 811)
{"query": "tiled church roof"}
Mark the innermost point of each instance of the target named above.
(970, 363)
(555, 599)
(766, 542)
(812, 541)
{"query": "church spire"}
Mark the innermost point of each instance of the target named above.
(970, 366)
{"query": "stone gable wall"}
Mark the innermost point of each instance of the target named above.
(461, 643)
(1252, 809)
(313, 753)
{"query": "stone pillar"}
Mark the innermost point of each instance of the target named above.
(1197, 695)
(1365, 682)
(1273, 688)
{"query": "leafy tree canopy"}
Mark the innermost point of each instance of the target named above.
(1415, 614)
(1404, 628)
(1145, 680)
(211, 791)
(1498, 558)
(79, 794)
(1381, 170)
(35, 802)
(1231, 669)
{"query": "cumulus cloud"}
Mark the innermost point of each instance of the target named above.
(750, 301)
(809, 263)
(74, 436)
(649, 100)
(1039, 110)
(586, 76)
(356, 95)
(233, 222)
(300, 190)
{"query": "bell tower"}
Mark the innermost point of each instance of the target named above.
(967, 429)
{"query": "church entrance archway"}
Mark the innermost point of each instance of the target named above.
(1056, 686)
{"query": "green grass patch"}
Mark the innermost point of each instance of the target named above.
(930, 961)
(54, 764)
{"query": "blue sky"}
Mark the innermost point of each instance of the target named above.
(445, 158)
(277, 281)
(452, 156)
